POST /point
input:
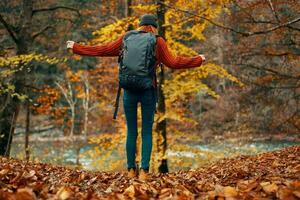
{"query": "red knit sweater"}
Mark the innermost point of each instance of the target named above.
(163, 54)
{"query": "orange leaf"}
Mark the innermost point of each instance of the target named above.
(269, 187)
(25, 194)
(64, 193)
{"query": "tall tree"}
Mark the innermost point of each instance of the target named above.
(161, 125)
(23, 40)
(128, 9)
(23, 36)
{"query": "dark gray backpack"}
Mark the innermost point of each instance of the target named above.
(137, 63)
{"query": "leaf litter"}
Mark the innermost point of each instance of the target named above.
(270, 175)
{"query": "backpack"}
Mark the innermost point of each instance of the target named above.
(137, 63)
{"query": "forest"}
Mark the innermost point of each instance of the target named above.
(226, 129)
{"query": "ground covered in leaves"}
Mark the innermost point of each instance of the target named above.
(272, 175)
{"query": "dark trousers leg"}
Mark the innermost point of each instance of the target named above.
(148, 109)
(130, 101)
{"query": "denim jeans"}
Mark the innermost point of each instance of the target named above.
(130, 103)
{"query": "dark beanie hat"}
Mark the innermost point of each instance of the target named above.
(148, 19)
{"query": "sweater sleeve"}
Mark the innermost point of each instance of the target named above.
(108, 49)
(176, 62)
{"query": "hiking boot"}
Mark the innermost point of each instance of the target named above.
(131, 173)
(143, 176)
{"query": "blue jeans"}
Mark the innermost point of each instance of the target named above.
(130, 103)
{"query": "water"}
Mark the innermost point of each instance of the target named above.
(67, 154)
(249, 148)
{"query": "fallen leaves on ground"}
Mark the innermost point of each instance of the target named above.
(271, 175)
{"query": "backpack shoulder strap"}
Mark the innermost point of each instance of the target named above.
(126, 35)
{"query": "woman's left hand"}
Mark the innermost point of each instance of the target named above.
(70, 44)
(203, 57)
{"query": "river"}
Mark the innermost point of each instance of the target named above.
(60, 153)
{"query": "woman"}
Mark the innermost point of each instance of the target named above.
(148, 23)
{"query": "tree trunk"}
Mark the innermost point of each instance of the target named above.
(86, 120)
(10, 112)
(128, 13)
(78, 155)
(128, 10)
(7, 125)
(162, 125)
(72, 120)
(27, 129)
(86, 105)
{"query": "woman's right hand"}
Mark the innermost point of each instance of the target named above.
(70, 44)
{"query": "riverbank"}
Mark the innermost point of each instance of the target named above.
(90, 156)
(271, 175)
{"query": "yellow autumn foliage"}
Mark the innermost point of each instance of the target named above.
(24, 59)
(113, 31)
(11, 65)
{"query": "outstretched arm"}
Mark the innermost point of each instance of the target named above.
(108, 49)
(176, 62)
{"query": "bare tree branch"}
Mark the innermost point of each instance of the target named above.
(293, 28)
(247, 81)
(56, 8)
(269, 70)
(247, 34)
(70, 99)
(253, 20)
(266, 53)
(9, 29)
(273, 10)
(67, 97)
(201, 17)
(275, 27)
(42, 31)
